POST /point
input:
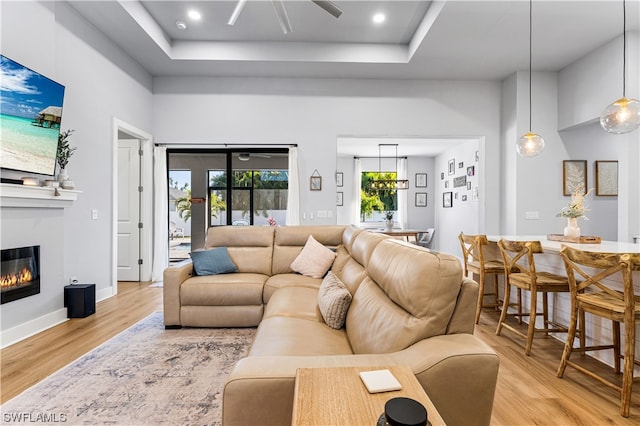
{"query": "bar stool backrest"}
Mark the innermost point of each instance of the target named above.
(472, 250)
(515, 253)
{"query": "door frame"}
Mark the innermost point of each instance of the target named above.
(146, 203)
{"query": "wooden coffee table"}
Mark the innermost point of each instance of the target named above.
(337, 396)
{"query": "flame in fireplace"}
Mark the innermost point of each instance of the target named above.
(16, 280)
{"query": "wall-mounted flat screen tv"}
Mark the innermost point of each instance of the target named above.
(30, 116)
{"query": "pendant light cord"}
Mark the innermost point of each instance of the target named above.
(624, 48)
(530, 60)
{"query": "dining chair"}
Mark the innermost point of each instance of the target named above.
(474, 261)
(424, 239)
(590, 293)
(520, 272)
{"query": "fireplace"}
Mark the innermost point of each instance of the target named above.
(19, 273)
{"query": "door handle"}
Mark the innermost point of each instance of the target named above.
(197, 200)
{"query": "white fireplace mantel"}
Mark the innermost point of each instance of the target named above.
(12, 195)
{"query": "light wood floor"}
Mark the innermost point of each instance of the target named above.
(528, 391)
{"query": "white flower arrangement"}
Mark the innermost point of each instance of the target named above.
(576, 207)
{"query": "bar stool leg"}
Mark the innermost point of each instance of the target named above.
(616, 345)
(571, 335)
(505, 306)
(545, 312)
(480, 297)
(627, 375)
(532, 321)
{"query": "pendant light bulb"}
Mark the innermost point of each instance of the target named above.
(622, 116)
(530, 145)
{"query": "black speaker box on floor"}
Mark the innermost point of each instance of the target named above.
(80, 300)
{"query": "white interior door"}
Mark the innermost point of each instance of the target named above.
(128, 210)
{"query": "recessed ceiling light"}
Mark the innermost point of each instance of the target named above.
(379, 18)
(181, 25)
(194, 14)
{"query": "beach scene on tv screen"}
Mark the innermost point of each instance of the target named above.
(30, 116)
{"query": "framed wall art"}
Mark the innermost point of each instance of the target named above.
(574, 176)
(339, 177)
(315, 181)
(421, 199)
(452, 166)
(460, 181)
(339, 199)
(447, 199)
(607, 178)
(421, 180)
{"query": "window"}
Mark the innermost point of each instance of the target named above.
(373, 203)
(256, 196)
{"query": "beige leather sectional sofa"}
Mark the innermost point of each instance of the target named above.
(410, 306)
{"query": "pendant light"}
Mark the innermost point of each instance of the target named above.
(623, 115)
(530, 144)
(388, 184)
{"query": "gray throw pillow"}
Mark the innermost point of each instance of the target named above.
(212, 262)
(333, 300)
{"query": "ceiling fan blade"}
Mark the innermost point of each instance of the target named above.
(236, 12)
(283, 18)
(330, 7)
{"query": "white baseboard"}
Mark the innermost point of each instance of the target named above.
(30, 328)
(37, 325)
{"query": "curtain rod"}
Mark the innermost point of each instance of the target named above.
(399, 158)
(228, 145)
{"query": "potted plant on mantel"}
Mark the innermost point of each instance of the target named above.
(63, 154)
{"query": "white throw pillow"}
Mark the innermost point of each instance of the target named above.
(333, 300)
(314, 260)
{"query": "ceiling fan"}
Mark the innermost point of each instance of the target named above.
(281, 12)
(246, 156)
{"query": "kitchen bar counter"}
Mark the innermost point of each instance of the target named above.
(555, 246)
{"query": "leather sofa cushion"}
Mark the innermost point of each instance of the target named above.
(250, 247)
(410, 295)
(223, 290)
(348, 270)
(364, 244)
(349, 236)
(289, 241)
(288, 280)
(303, 298)
(279, 335)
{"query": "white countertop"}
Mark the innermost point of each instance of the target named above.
(555, 246)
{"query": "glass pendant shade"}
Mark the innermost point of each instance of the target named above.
(622, 116)
(530, 145)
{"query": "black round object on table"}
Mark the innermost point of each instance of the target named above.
(403, 412)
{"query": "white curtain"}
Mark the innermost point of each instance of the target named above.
(402, 194)
(293, 196)
(355, 200)
(160, 213)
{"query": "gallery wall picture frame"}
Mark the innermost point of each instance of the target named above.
(574, 176)
(339, 199)
(442, 176)
(464, 198)
(421, 180)
(461, 164)
(606, 178)
(421, 199)
(447, 199)
(339, 179)
(471, 171)
(315, 181)
(469, 185)
(446, 183)
(460, 181)
(452, 166)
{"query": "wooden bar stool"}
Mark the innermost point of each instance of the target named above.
(595, 297)
(474, 261)
(520, 272)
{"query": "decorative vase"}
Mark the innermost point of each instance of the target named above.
(572, 229)
(388, 225)
(62, 176)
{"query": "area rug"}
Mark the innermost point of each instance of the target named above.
(146, 375)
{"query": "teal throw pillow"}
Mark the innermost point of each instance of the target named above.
(212, 262)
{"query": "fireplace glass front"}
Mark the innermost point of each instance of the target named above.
(19, 273)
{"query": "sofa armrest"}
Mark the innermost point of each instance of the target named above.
(455, 370)
(173, 278)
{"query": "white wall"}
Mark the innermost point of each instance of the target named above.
(101, 83)
(313, 113)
